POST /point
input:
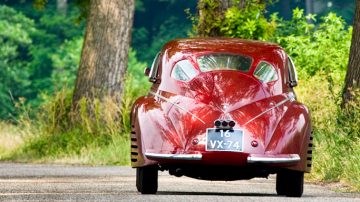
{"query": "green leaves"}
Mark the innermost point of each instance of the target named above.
(246, 22)
(322, 48)
(35, 54)
(65, 62)
(15, 30)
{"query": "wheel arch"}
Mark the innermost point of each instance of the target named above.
(295, 128)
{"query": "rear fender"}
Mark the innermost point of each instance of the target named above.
(293, 136)
(137, 157)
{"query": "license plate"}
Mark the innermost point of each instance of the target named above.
(224, 139)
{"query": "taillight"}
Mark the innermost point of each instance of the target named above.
(232, 123)
(226, 124)
(217, 123)
(254, 143)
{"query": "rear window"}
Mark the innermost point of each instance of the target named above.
(265, 72)
(223, 61)
(184, 71)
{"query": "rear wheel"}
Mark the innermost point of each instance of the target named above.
(147, 179)
(290, 183)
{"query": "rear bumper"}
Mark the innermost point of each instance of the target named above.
(174, 156)
(273, 159)
(251, 158)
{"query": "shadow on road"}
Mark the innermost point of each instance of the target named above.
(215, 194)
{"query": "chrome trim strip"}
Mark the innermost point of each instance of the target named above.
(291, 97)
(176, 105)
(263, 159)
(175, 156)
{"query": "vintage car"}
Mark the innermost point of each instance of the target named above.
(221, 109)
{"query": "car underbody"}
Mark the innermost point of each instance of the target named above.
(220, 173)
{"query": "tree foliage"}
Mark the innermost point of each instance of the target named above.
(157, 22)
(33, 46)
(233, 18)
(322, 48)
(15, 39)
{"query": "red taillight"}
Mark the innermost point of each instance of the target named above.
(232, 123)
(217, 123)
(224, 123)
(195, 141)
(254, 143)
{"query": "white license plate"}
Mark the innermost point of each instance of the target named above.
(224, 140)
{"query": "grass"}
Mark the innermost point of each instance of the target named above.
(71, 147)
(336, 157)
(97, 135)
(11, 139)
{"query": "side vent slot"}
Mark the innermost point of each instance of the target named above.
(309, 152)
(134, 147)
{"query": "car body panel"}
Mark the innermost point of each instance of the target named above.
(169, 124)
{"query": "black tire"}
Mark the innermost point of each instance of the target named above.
(290, 183)
(280, 184)
(147, 179)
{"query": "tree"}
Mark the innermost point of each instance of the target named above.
(233, 18)
(352, 79)
(213, 10)
(105, 50)
(61, 6)
(15, 40)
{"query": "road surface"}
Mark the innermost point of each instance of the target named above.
(19, 182)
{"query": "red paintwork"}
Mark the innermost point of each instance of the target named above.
(159, 127)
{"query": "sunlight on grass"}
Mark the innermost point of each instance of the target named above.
(11, 139)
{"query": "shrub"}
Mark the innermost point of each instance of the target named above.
(247, 22)
(321, 48)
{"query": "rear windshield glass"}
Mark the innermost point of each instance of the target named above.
(265, 72)
(223, 61)
(184, 71)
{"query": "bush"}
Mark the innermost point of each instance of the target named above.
(248, 22)
(314, 49)
(336, 155)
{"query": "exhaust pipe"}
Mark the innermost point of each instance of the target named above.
(178, 172)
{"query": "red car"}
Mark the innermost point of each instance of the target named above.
(221, 109)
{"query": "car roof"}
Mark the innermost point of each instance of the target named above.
(214, 44)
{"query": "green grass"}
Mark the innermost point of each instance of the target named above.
(97, 134)
(72, 147)
(10, 138)
(68, 150)
(336, 157)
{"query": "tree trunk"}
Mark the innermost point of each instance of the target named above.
(61, 6)
(104, 55)
(352, 79)
(309, 8)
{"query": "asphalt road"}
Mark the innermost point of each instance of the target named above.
(57, 182)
